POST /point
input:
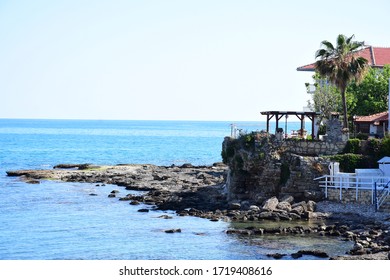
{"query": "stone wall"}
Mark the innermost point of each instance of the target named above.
(363, 197)
(313, 148)
(261, 167)
(349, 195)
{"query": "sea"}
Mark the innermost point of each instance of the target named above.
(62, 221)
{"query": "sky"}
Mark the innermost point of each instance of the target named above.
(169, 60)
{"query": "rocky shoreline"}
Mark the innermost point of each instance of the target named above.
(200, 191)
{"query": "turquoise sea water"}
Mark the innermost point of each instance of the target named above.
(55, 220)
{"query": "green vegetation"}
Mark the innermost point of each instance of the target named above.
(362, 153)
(353, 146)
(349, 162)
(371, 94)
(340, 67)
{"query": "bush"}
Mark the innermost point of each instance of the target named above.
(362, 136)
(373, 147)
(353, 146)
(384, 147)
(349, 162)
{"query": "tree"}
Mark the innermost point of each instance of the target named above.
(370, 96)
(326, 98)
(340, 65)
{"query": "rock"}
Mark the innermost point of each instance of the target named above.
(284, 216)
(270, 204)
(276, 256)
(314, 215)
(111, 195)
(134, 202)
(300, 204)
(287, 198)
(298, 210)
(357, 247)
(296, 255)
(311, 206)
(172, 230)
(165, 217)
(235, 206)
(258, 231)
(93, 194)
(316, 253)
(294, 216)
(143, 210)
(254, 208)
(32, 181)
(71, 166)
(284, 205)
(266, 215)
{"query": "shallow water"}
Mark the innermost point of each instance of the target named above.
(56, 220)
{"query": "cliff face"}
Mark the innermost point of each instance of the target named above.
(261, 167)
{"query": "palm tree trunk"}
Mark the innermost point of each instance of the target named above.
(345, 121)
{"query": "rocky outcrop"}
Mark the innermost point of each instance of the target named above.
(167, 187)
(261, 167)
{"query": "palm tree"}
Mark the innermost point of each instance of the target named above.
(340, 65)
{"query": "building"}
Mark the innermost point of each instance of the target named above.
(377, 57)
(373, 125)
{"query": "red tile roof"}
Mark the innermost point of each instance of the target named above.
(384, 116)
(377, 57)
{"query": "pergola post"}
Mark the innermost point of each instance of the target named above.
(300, 115)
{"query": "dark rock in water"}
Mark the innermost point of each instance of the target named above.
(296, 255)
(93, 194)
(143, 210)
(172, 230)
(273, 230)
(134, 202)
(113, 193)
(165, 217)
(32, 181)
(316, 253)
(276, 256)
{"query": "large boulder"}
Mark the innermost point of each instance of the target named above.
(311, 206)
(271, 204)
(287, 198)
(284, 205)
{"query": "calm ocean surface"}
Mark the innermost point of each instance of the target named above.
(55, 220)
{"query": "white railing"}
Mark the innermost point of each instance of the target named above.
(348, 181)
(382, 191)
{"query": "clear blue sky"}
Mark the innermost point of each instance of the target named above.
(164, 60)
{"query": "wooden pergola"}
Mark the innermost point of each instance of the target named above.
(300, 115)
